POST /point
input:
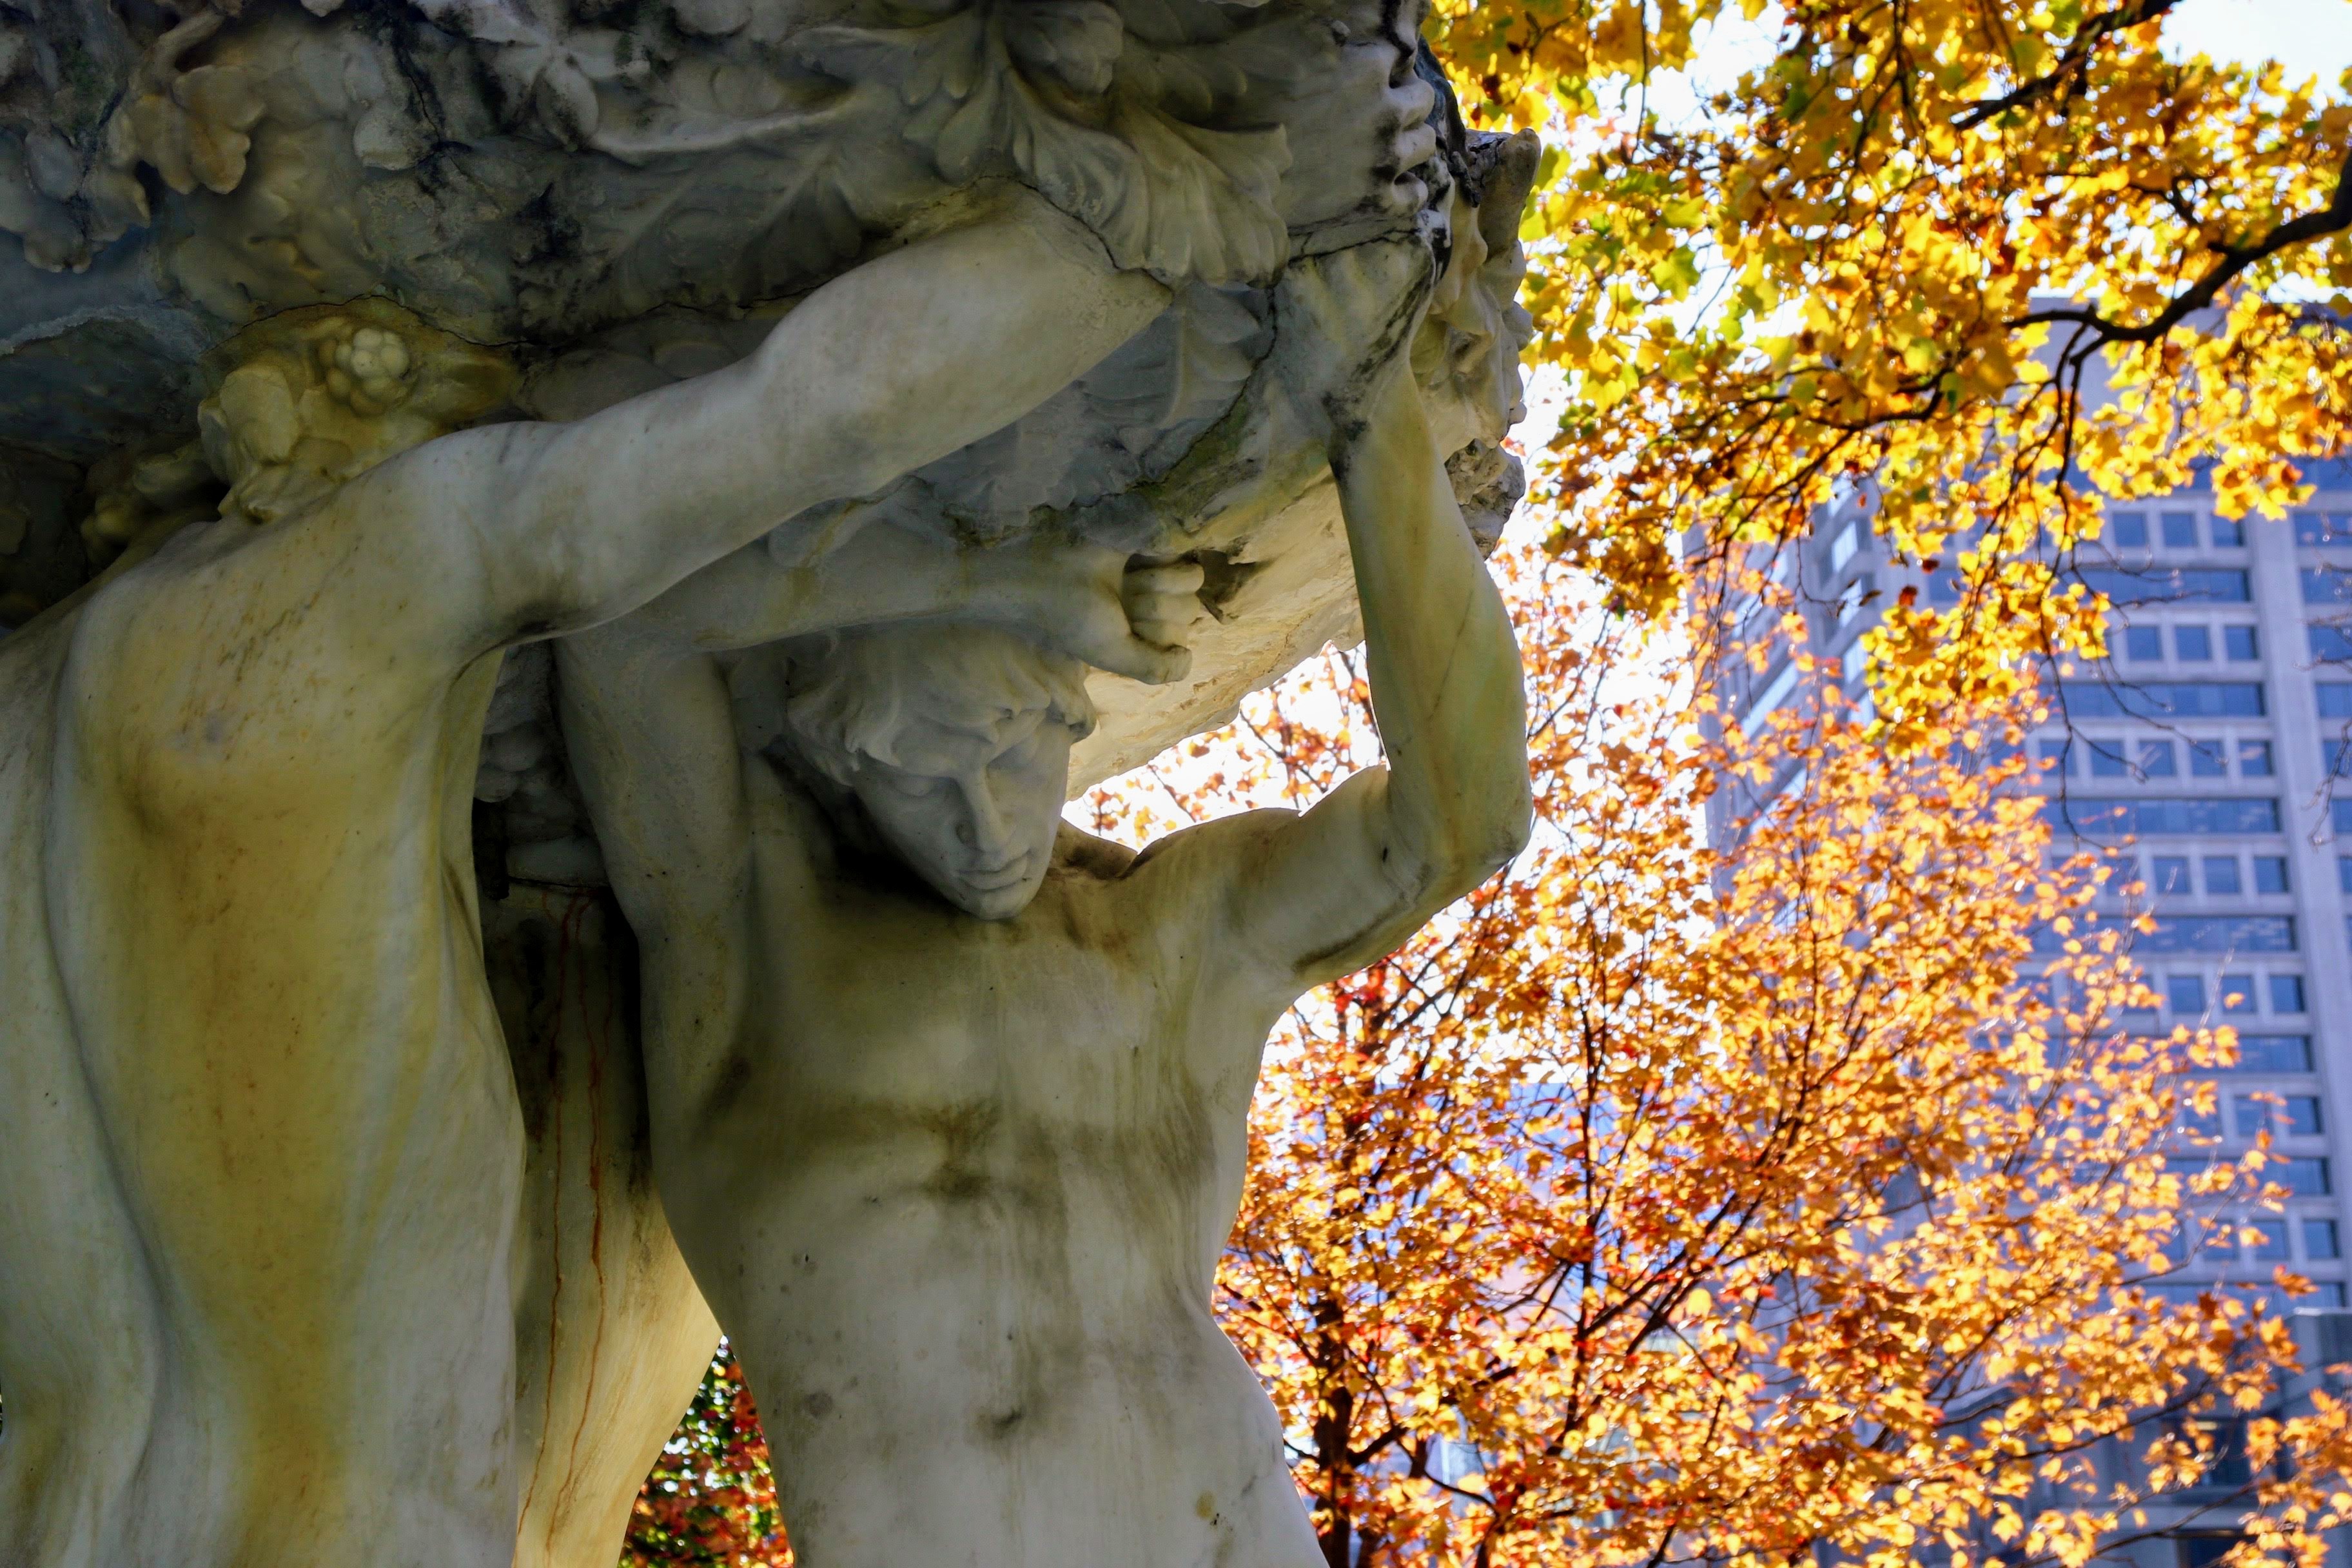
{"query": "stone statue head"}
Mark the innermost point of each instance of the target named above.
(308, 399)
(953, 741)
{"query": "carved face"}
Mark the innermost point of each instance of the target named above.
(973, 810)
(956, 742)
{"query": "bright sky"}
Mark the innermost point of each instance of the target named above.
(2313, 36)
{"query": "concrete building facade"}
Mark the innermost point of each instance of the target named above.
(2209, 759)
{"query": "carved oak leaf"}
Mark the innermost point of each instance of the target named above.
(1204, 207)
(1074, 42)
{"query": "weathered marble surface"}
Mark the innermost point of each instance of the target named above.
(318, 1198)
(947, 1100)
(255, 1212)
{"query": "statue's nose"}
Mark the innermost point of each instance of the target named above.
(983, 826)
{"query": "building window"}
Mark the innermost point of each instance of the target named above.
(2273, 1053)
(2202, 1550)
(2107, 761)
(2157, 760)
(1848, 541)
(2331, 641)
(2344, 873)
(2269, 874)
(2286, 994)
(2229, 533)
(1775, 693)
(1855, 595)
(2221, 935)
(2166, 700)
(2269, 1243)
(2254, 759)
(2319, 1240)
(2106, 816)
(2143, 644)
(2322, 528)
(2180, 531)
(2243, 643)
(2130, 529)
(2306, 1176)
(2225, 1466)
(2194, 644)
(2169, 585)
(2207, 760)
(2185, 994)
(2327, 585)
(2289, 1116)
(2221, 875)
(2237, 992)
(2172, 874)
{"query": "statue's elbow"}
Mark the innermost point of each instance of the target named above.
(1509, 829)
(1485, 842)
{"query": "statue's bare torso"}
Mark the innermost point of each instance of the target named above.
(245, 1024)
(951, 1132)
(976, 1176)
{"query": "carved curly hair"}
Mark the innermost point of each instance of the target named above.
(851, 693)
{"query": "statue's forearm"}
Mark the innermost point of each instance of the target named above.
(902, 362)
(1444, 666)
(879, 574)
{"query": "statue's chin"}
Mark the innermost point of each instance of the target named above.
(988, 903)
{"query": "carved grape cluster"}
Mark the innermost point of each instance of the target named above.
(369, 373)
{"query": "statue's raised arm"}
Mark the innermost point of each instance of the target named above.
(1317, 895)
(539, 528)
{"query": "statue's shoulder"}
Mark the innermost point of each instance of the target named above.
(1207, 849)
(1079, 853)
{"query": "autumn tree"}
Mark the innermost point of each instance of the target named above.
(1672, 1202)
(710, 1501)
(2000, 258)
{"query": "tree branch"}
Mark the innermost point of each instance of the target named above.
(2070, 67)
(2233, 259)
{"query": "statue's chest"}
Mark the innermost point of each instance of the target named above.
(1035, 1023)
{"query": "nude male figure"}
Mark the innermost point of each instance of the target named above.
(948, 1099)
(260, 1149)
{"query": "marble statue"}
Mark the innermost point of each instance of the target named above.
(272, 1183)
(948, 1099)
(1061, 367)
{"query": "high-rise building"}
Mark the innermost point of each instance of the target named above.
(2209, 759)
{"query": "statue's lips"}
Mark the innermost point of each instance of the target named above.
(997, 879)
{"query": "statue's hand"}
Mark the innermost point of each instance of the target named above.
(1344, 320)
(1099, 606)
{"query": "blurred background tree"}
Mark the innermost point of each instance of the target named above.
(1997, 257)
